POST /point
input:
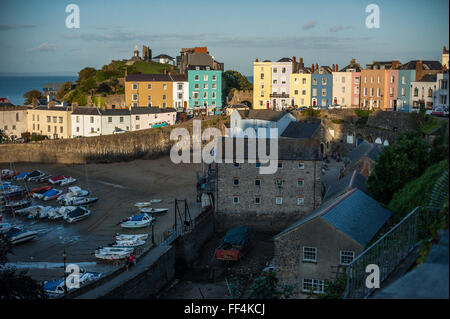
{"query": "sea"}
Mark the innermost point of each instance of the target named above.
(14, 87)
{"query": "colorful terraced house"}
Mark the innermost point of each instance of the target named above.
(205, 88)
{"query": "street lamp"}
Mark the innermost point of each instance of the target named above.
(65, 274)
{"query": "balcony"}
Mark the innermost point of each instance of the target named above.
(279, 95)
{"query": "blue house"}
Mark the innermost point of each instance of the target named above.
(205, 88)
(322, 87)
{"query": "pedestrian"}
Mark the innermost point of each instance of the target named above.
(132, 259)
(127, 262)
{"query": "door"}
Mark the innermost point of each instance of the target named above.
(267, 105)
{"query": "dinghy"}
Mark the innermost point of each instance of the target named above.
(39, 191)
(154, 211)
(51, 194)
(56, 179)
(31, 212)
(15, 205)
(67, 181)
(46, 211)
(129, 243)
(8, 174)
(131, 237)
(143, 204)
(20, 176)
(34, 176)
(75, 192)
(44, 178)
(79, 201)
(138, 221)
(76, 215)
(113, 253)
(59, 213)
(18, 235)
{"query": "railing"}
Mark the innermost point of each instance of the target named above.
(389, 250)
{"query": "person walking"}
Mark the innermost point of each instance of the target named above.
(132, 259)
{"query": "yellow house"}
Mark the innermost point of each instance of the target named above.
(149, 90)
(300, 89)
(262, 76)
(53, 121)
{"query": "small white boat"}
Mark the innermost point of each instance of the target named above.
(76, 215)
(78, 201)
(138, 221)
(59, 213)
(46, 212)
(113, 253)
(74, 192)
(119, 237)
(154, 211)
(129, 243)
(32, 211)
(143, 204)
(4, 227)
(67, 181)
(18, 235)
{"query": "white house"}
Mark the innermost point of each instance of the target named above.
(441, 94)
(281, 72)
(164, 58)
(240, 120)
(86, 121)
(422, 92)
(115, 120)
(147, 117)
(180, 91)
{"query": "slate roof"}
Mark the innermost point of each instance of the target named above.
(426, 65)
(264, 115)
(112, 112)
(354, 213)
(348, 182)
(83, 110)
(300, 130)
(155, 77)
(151, 110)
(428, 78)
(53, 108)
(288, 149)
(364, 149)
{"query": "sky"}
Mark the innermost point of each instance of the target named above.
(35, 39)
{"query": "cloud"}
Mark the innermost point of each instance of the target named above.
(311, 24)
(43, 47)
(7, 27)
(337, 28)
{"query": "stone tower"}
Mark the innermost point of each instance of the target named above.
(146, 53)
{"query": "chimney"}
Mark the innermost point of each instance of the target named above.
(301, 60)
(312, 68)
(256, 60)
(419, 69)
(332, 68)
(317, 67)
(352, 62)
(337, 69)
(293, 59)
(445, 50)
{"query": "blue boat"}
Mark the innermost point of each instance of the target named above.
(21, 176)
(51, 194)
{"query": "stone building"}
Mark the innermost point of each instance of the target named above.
(309, 252)
(362, 159)
(13, 120)
(198, 56)
(269, 202)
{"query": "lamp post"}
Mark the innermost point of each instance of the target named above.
(65, 274)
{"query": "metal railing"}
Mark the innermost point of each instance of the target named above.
(389, 250)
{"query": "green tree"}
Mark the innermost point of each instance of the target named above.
(65, 88)
(31, 95)
(398, 164)
(235, 80)
(266, 287)
(85, 74)
(14, 284)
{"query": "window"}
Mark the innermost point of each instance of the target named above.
(137, 118)
(257, 182)
(343, 89)
(280, 165)
(109, 119)
(205, 77)
(303, 92)
(347, 257)
(92, 130)
(371, 91)
(164, 86)
(33, 117)
(392, 79)
(17, 117)
(180, 86)
(257, 200)
(295, 92)
(77, 119)
(214, 86)
(138, 127)
(378, 92)
(34, 127)
(275, 81)
(149, 86)
(391, 91)
(262, 76)
(55, 119)
(300, 201)
(135, 86)
(236, 182)
(197, 77)
(314, 92)
(315, 285)
(403, 79)
(283, 70)
(6, 127)
(213, 95)
(78, 129)
(324, 92)
(343, 80)
(274, 70)
(379, 79)
(315, 81)
(92, 119)
(164, 104)
(164, 96)
(279, 200)
(195, 95)
(180, 96)
(13, 127)
(430, 92)
(49, 129)
(214, 78)
(295, 80)
(205, 95)
(135, 97)
(121, 119)
(324, 81)
(235, 199)
(236, 164)
(49, 119)
(303, 81)
(300, 183)
(309, 254)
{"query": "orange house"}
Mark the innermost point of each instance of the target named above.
(149, 90)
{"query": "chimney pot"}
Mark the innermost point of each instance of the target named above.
(293, 59)
(337, 69)
(301, 60)
(256, 60)
(317, 66)
(445, 49)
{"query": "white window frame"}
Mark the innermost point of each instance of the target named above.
(233, 200)
(317, 285)
(346, 254)
(300, 201)
(307, 252)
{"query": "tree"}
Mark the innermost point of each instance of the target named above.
(14, 284)
(65, 88)
(235, 80)
(266, 287)
(31, 95)
(398, 164)
(85, 74)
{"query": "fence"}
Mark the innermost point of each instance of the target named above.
(389, 250)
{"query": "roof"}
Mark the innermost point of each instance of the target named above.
(150, 110)
(288, 149)
(155, 77)
(348, 182)
(428, 78)
(364, 149)
(300, 130)
(285, 60)
(163, 56)
(84, 110)
(52, 108)
(112, 112)
(354, 213)
(264, 115)
(426, 65)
